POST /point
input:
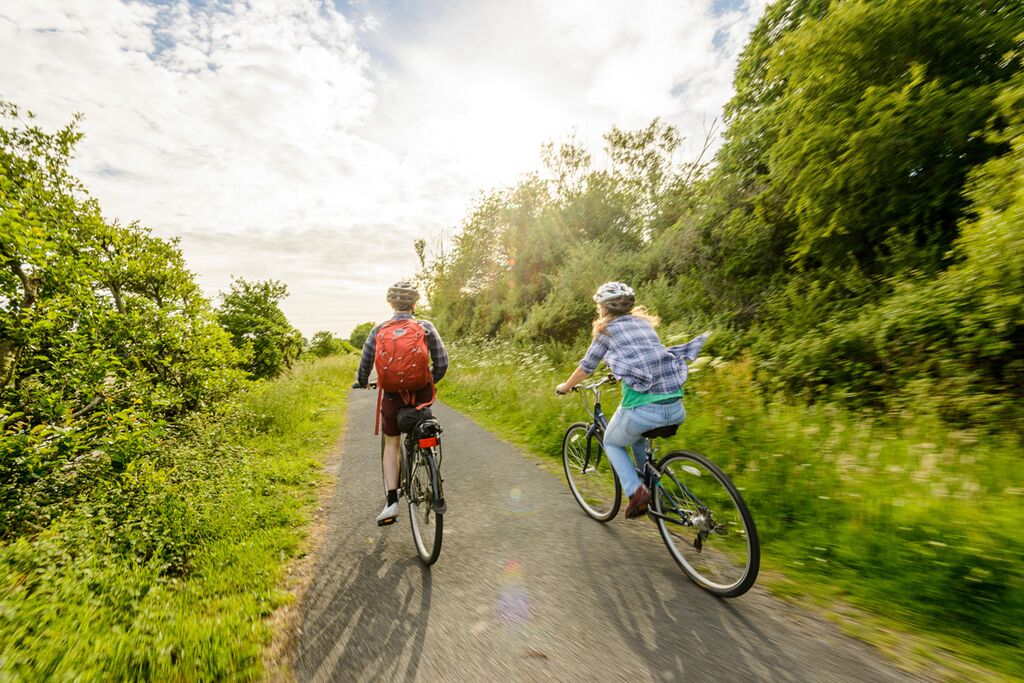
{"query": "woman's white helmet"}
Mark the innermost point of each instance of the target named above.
(617, 297)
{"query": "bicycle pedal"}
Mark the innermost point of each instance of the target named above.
(387, 522)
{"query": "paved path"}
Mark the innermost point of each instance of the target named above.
(528, 588)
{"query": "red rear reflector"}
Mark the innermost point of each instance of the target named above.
(428, 443)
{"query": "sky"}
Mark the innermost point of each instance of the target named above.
(313, 142)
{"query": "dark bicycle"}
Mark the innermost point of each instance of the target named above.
(420, 483)
(702, 518)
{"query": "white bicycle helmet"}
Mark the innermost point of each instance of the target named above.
(617, 297)
(403, 294)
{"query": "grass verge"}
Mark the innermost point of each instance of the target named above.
(171, 573)
(910, 522)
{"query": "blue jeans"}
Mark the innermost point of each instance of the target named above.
(625, 429)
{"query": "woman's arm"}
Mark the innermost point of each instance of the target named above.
(577, 376)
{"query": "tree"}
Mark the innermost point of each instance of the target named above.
(359, 334)
(104, 336)
(252, 315)
(325, 344)
(877, 126)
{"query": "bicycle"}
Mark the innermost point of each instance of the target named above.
(420, 483)
(700, 514)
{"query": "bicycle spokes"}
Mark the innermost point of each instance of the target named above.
(426, 520)
(590, 476)
(705, 524)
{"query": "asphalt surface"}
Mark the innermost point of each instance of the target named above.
(529, 588)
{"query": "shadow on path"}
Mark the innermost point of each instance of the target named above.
(371, 623)
(671, 625)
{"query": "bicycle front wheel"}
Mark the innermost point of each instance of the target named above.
(589, 472)
(705, 524)
(426, 507)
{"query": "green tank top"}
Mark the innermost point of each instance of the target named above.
(633, 399)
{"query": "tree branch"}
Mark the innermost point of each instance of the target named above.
(87, 408)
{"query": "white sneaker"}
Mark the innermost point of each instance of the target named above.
(389, 515)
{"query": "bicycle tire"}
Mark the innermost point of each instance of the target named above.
(724, 556)
(426, 515)
(595, 487)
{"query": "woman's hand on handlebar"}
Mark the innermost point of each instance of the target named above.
(562, 390)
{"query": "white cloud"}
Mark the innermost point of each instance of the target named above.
(286, 140)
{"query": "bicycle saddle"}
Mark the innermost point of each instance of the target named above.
(662, 432)
(428, 427)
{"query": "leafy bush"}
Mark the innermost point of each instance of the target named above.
(326, 344)
(251, 313)
(171, 565)
(104, 336)
(359, 334)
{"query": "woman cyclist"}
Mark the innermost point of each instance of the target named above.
(652, 379)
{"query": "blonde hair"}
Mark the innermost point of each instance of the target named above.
(604, 317)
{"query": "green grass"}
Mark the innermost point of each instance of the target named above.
(905, 517)
(171, 573)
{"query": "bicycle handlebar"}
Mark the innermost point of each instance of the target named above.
(596, 383)
(590, 386)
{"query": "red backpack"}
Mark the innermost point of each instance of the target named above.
(402, 359)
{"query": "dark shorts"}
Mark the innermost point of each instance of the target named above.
(391, 401)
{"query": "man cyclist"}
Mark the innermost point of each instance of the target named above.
(402, 296)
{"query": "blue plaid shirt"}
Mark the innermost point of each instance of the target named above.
(438, 354)
(631, 349)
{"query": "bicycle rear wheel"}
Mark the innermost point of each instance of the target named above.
(426, 507)
(589, 472)
(705, 524)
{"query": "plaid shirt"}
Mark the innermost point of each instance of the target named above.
(634, 354)
(438, 354)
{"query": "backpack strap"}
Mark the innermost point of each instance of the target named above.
(433, 396)
(408, 397)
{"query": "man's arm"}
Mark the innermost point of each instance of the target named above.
(438, 354)
(366, 360)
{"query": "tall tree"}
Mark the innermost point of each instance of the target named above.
(251, 313)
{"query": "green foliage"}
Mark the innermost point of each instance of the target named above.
(519, 254)
(325, 344)
(251, 313)
(359, 334)
(104, 336)
(910, 518)
(858, 245)
(172, 568)
(876, 126)
(857, 233)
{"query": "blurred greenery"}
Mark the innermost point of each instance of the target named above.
(150, 494)
(857, 244)
(105, 339)
(168, 570)
(359, 335)
(858, 234)
(911, 519)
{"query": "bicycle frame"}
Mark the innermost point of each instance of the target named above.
(649, 473)
(414, 461)
(598, 422)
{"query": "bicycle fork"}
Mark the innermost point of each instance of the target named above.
(587, 467)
